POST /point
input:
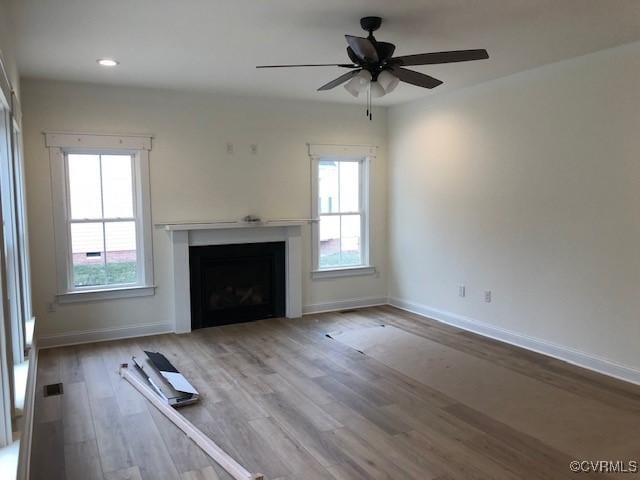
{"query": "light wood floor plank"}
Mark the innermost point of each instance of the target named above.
(82, 461)
(132, 473)
(76, 414)
(111, 440)
(148, 450)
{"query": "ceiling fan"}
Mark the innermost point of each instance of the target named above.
(375, 71)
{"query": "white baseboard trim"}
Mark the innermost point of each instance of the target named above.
(102, 334)
(343, 305)
(569, 355)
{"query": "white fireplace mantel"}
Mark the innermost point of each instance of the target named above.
(188, 234)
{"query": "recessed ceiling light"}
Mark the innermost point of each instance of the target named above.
(107, 62)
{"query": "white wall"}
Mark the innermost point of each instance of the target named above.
(528, 186)
(193, 178)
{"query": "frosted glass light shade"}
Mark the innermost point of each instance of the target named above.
(359, 83)
(388, 81)
(377, 90)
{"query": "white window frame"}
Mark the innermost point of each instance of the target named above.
(7, 344)
(363, 154)
(60, 145)
(22, 223)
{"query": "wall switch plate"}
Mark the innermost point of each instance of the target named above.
(229, 148)
(487, 296)
(462, 291)
(51, 307)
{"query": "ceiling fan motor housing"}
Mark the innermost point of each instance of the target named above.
(370, 24)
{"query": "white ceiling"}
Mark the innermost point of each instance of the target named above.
(215, 44)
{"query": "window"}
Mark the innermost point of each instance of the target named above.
(102, 220)
(340, 208)
(102, 216)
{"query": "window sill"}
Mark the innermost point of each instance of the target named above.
(106, 294)
(344, 272)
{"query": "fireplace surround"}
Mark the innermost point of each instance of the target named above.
(185, 235)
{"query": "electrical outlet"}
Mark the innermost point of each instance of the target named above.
(462, 291)
(487, 296)
(229, 148)
(254, 149)
(51, 307)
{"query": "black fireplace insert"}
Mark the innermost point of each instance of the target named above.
(236, 283)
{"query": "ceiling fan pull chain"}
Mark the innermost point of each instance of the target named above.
(366, 113)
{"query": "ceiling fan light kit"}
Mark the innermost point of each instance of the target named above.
(388, 81)
(376, 72)
(359, 83)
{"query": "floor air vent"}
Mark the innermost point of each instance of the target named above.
(53, 389)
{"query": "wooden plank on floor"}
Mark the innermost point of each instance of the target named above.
(77, 418)
(382, 443)
(299, 427)
(361, 454)
(234, 435)
(70, 365)
(112, 442)
(82, 461)
(132, 473)
(47, 451)
(128, 399)
(344, 394)
(207, 473)
(304, 404)
(184, 456)
(95, 371)
(292, 454)
(148, 450)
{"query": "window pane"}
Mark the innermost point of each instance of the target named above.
(88, 255)
(121, 252)
(349, 186)
(117, 186)
(84, 186)
(350, 240)
(328, 186)
(329, 241)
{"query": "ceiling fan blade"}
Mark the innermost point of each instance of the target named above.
(385, 50)
(363, 48)
(353, 57)
(415, 78)
(440, 57)
(341, 65)
(340, 80)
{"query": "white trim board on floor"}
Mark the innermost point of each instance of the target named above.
(77, 337)
(574, 357)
